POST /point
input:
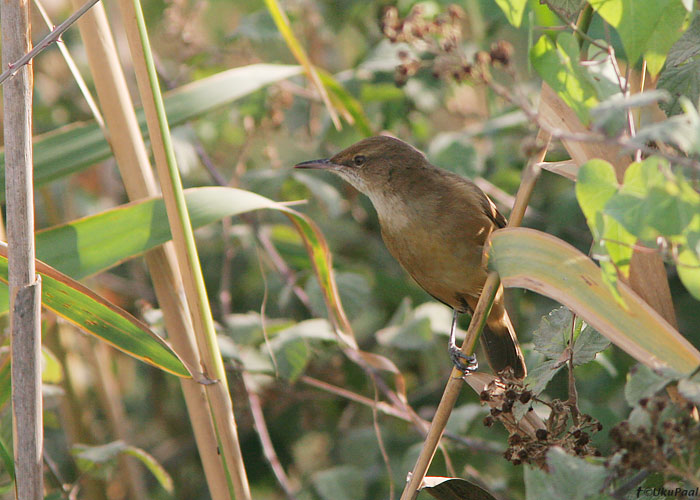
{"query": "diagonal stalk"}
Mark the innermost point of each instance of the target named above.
(185, 248)
(132, 160)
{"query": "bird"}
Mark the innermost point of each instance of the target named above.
(435, 224)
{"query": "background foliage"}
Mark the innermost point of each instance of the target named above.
(256, 265)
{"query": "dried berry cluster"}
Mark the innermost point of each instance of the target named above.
(439, 40)
(528, 444)
(416, 27)
(666, 444)
(561, 430)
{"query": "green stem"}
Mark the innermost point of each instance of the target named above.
(218, 393)
(583, 23)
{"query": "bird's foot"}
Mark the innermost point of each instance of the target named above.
(465, 363)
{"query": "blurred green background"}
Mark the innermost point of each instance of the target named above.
(326, 444)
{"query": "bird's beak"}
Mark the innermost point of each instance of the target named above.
(324, 163)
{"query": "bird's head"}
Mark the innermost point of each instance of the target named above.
(373, 164)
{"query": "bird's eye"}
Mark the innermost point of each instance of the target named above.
(359, 160)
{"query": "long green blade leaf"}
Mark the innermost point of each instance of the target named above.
(530, 259)
(89, 245)
(92, 244)
(77, 146)
(95, 243)
(93, 314)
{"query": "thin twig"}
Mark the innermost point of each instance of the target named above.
(52, 37)
(94, 109)
(473, 444)
(283, 269)
(380, 443)
(263, 306)
(572, 401)
(626, 144)
(264, 435)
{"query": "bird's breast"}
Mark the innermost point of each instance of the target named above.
(444, 259)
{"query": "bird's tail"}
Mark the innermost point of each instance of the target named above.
(499, 340)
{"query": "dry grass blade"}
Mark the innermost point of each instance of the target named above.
(295, 47)
(534, 260)
(132, 160)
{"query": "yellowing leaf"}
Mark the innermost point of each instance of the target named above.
(534, 260)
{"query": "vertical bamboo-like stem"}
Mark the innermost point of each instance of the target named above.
(25, 287)
(132, 159)
(454, 384)
(185, 248)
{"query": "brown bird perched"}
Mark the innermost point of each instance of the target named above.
(435, 223)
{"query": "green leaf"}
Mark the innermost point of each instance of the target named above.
(552, 335)
(669, 214)
(417, 328)
(344, 101)
(291, 346)
(630, 211)
(688, 267)
(93, 314)
(690, 389)
(681, 131)
(345, 482)
(538, 485)
(5, 379)
(610, 116)
(651, 202)
(643, 383)
(446, 488)
(667, 31)
(568, 9)
(454, 152)
(554, 332)
(619, 244)
(573, 477)
(415, 334)
(539, 376)
(640, 176)
(588, 344)
(153, 466)
(7, 459)
(86, 246)
(89, 457)
(595, 185)
(530, 259)
(559, 66)
(513, 9)
(51, 368)
(645, 26)
(77, 146)
(355, 293)
(681, 75)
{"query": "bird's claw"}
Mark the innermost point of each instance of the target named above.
(467, 364)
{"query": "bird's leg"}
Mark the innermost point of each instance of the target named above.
(464, 363)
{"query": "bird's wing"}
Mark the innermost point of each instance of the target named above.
(492, 212)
